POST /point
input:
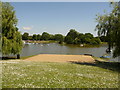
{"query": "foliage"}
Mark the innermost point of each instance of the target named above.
(109, 25)
(34, 37)
(116, 12)
(30, 37)
(74, 37)
(25, 36)
(38, 37)
(45, 36)
(73, 34)
(52, 37)
(69, 40)
(59, 37)
(103, 38)
(11, 37)
(95, 41)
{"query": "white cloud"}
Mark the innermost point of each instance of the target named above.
(27, 28)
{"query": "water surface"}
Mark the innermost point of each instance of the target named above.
(54, 48)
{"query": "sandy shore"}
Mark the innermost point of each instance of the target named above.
(61, 58)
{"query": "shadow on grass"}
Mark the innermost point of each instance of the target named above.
(7, 58)
(114, 66)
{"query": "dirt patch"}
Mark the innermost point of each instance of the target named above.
(61, 58)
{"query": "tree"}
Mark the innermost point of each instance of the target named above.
(34, 37)
(95, 41)
(116, 13)
(88, 38)
(109, 25)
(71, 36)
(25, 36)
(89, 35)
(69, 40)
(105, 27)
(52, 37)
(11, 37)
(81, 38)
(103, 38)
(45, 36)
(59, 37)
(30, 38)
(72, 33)
(38, 37)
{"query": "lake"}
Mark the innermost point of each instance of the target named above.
(54, 48)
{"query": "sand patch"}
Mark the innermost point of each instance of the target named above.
(61, 58)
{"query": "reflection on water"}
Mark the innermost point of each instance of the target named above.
(54, 48)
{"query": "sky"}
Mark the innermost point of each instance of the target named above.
(58, 17)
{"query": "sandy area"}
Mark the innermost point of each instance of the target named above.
(60, 58)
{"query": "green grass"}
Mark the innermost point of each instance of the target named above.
(29, 74)
(25, 57)
(45, 42)
(101, 59)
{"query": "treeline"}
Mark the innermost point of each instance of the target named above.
(45, 36)
(72, 37)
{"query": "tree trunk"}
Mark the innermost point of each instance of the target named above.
(18, 56)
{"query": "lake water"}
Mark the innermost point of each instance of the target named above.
(54, 48)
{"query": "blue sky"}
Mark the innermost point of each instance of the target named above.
(58, 17)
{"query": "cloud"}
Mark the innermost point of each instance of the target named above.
(27, 28)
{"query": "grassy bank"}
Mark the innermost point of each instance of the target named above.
(45, 42)
(25, 57)
(31, 74)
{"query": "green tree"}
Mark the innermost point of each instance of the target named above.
(71, 36)
(38, 37)
(25, 36)
(89, 35)
(69, 40)
(11, 37)
(52, 37)
(59, 37)
(30, 38)
(108, 25)
(34, 37)
(45, 36)
(95, 41)
(81, 38)
(103, 38)
(116, 20)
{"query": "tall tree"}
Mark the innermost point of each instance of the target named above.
(116, 13)
(0, 18)
(11, 37)
(109, 25)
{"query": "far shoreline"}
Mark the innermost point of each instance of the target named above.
(52, 41)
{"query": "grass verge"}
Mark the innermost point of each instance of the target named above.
(31, 74)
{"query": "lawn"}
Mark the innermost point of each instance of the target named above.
(31, 74)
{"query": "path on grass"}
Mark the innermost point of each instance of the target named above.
(61, 58)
